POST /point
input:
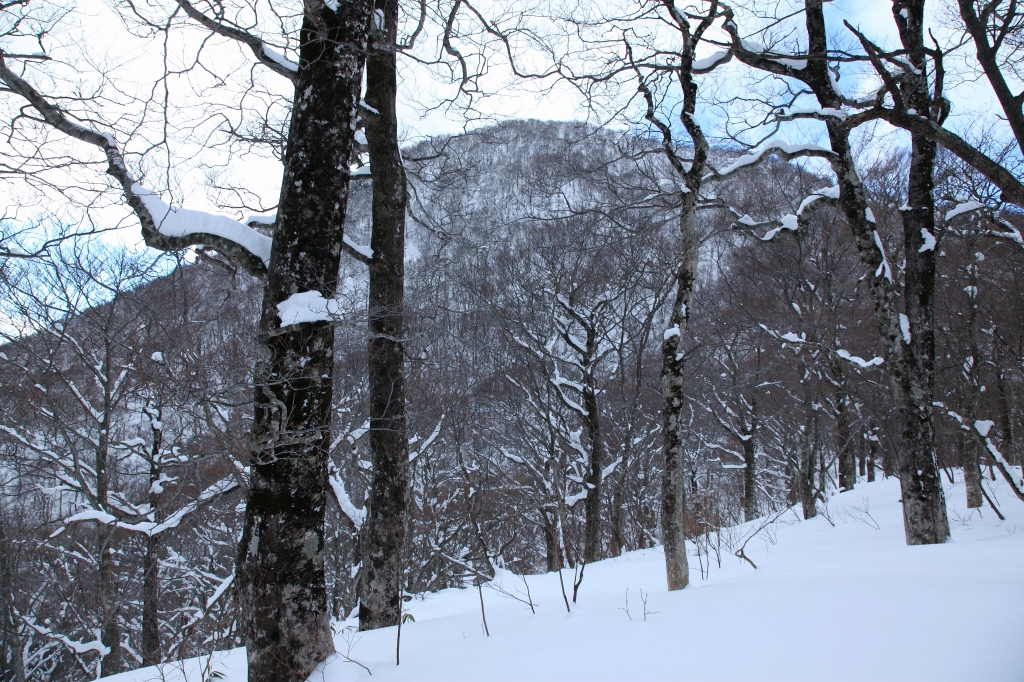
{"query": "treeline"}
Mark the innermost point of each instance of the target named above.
(542, 262)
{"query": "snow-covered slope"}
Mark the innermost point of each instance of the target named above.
(848, 601)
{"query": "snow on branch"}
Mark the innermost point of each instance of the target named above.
(354, 514)
(307, 306)
(224, 485)
(182, 222)
(413, 456)
(793, 221)
(266, 55)
(819, 113)
(780, 149)
(184, 229)
(1009, 232)
(361, 253)
(963, 208)
(883, 268)
(859, 361)
(708, 64)
(77, 647)
(980, 429)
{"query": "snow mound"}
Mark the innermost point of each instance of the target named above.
(840, 597)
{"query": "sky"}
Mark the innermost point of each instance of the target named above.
(94, 36)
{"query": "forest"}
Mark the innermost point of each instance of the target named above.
(769, 255)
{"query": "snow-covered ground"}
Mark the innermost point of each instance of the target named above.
(848, 601)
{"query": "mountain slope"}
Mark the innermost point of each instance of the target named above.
(843, 602)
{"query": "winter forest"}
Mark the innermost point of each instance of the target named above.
(315, 312)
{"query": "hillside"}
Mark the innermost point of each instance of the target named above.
(848, 601)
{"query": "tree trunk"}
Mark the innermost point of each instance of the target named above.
(110, 625)
(618, 539)
(152, 651)
(380, 581)
(673, 488)
(872, 457)
(750, 511)
(844, 436)
(592, 510)
(924, 504)
(971, 463)
(280, 571)
(808, 454)
(12, 661)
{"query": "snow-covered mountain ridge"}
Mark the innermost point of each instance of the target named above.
(839, 597)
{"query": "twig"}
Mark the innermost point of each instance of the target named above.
(990, 502)
(564, 596)
(483, 614)
(577, 581)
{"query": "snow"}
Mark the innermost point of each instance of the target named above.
(983, 427)
(843, 603)
(354, 513)
(100, 517)
(178, 222)
(819, 112)
(364, 251)
(859, 361)
(278, 58)
(883, 267)
(157, 357)
(929, 241)
(755, 157)
(905, 328)
(306, 306)
(710, 62)
(965, 207)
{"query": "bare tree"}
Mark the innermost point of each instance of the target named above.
(280, 562)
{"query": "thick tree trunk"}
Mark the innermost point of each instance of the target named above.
(909, 361)
(280, 570)
(380, 581)
(971, 464)
(924, 504)
(673, 488)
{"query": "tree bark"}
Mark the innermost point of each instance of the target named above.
(750, 511)
(1013, 105)
(280, 571)
(924, 504)
(909, 361)
(380, 580)
(12, 660)
(809, 453)
(844, 438)
(592, 510)
(110, 625)
(152, 651)
(673, 487)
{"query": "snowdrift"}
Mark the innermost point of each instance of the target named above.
(840, 597)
